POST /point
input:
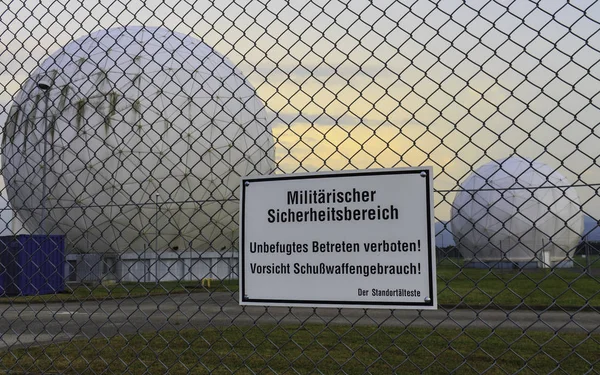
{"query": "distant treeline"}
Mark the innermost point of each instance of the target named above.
(583, 248)
(447, 252)
(588, 247)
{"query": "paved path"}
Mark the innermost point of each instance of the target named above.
(22, 324)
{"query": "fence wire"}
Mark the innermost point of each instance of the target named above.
(128, 125)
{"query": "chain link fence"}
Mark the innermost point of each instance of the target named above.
(128, 125)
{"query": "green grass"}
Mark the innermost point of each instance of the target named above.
(540, 288)
(591, 261)
(315, 349)
(467, 287)
(126, 290)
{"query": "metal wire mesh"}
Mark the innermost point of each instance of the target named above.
(128, 125)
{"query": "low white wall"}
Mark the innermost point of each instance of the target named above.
(88, 268)
(149, 266)
(176, 266)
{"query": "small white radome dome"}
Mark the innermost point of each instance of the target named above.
(517, 210)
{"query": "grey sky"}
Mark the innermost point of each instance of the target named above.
(452, 84)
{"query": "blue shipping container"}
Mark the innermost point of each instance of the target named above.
(32, 264)
(2, 277)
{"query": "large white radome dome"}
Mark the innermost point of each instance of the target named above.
(516, 210)
(130, 113)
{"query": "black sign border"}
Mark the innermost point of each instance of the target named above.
(335, 304)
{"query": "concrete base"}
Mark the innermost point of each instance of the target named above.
(500, 265)
(517, 265)
(562, 264)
